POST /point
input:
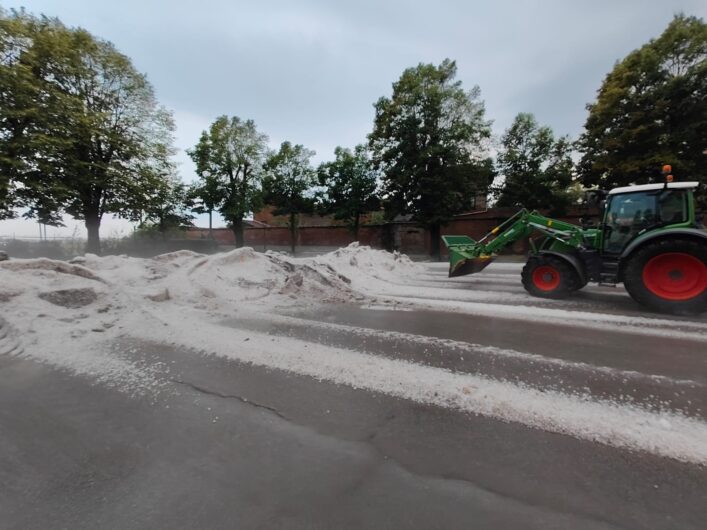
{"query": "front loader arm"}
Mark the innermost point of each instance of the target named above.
(467, 256)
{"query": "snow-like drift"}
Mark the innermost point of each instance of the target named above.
(65, 312)
(607, 422)
(71, 315)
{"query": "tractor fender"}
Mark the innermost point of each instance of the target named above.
(572, 260)
(651, 236)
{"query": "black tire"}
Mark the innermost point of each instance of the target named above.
(549, 277)
(546, 244)
(648, 281)
(580, 285)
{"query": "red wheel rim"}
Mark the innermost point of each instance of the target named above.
(546, 278)
(675, 276)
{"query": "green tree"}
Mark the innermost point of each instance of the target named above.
(206, 198)
(537, 168)
(80, 129)
(651, 110)
(350, 183)
(428, 127)
(229, 158)
(20, 103)
(289, 175)
(167, 207)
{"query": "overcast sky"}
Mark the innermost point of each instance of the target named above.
(309, 71)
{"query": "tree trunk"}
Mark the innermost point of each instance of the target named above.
(93, 224)
(237, 227)
(357, 222)
(293, 232)
(162, 229)
(211, 235)
(388, 238)
(434, 241)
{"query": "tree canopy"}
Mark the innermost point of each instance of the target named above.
(651, 110)
(537, 168)
(289, 175)
(80, 129)
(428, 127)
(350, 184)
(229, 158)
(205, 197)
(167, 207)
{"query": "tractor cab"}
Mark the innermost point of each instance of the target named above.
(634, 210)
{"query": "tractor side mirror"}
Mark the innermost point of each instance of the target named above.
(595, 198)
(587, 222)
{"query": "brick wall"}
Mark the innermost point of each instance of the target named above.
(406, 237)
(223, 236)
(266, 216)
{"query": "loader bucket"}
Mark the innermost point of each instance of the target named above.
(469, 265)
(464, 256)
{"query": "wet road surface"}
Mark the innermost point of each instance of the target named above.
(221, 444)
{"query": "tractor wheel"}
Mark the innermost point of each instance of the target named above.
(549, 277)
(669, 276)
(580, 285)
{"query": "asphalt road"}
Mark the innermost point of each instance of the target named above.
(221, 444)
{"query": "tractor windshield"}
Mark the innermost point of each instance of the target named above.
(630, 213)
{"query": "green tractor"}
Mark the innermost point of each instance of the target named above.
(649, 240)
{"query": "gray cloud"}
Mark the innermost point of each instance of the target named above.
(309, 71)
